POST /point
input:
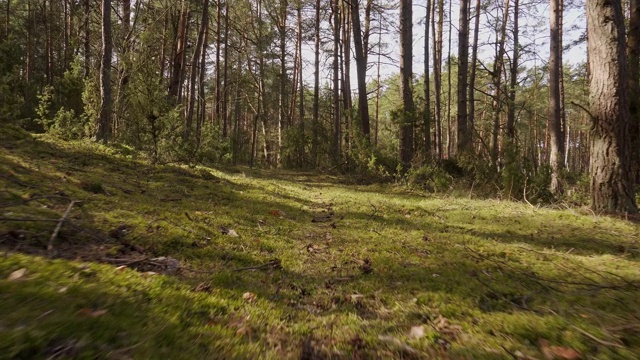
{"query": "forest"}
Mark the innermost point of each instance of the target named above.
(335, 179)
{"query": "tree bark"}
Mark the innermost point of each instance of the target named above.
(463, 138)
(104, 119)
(427, 86)
(633, 45)
(437, 71)
(513, 81)
(361, 70)
(556, 151)
(472, 75)
(406, 80)
(316, 87)
(335, 8)
(497, 84)
(194, 69)
(610, 168)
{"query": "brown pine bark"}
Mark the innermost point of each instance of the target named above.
(194, 69)
(497, 84)
(556, 151)
(610, 168)
(427, 87)
(472, 75)
(316, 86)
(437, 71)
(464, 136)
(361, 70)
(104, 118)
(406, 88)
(335, 8)
(633, 45)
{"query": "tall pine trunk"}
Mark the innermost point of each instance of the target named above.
(611, 187)
(406, 79)
(104, 117)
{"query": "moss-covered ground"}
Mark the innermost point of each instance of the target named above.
(147, 266)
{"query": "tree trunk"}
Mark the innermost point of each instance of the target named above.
(497, 84)
(427, 86)
(406, 87)
(335, 8)
(556, 151)
(316, 87)
(464, 136)
(633, 45)
(611, 187)
(194, 69)
(104, 118)
(361, 69)
(179, 54)
(472, 75)
(511, 113)
(218, 69)
(437, 71)
(225, 73)
(282, 98)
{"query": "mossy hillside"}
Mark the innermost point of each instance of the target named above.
(485, 278)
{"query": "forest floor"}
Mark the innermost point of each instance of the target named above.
(172, 262)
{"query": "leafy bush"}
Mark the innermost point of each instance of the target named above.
(431, 178)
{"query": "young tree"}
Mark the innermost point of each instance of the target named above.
(611, 187)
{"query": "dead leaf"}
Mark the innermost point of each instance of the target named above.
(278, 213)
(417, 332)
(249, 297)
(18, 274)
(557, 352)
(227, 231)
(244, 331)
(121, 268)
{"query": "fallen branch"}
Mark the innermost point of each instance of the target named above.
(271, 264)
(59, 226)
(599, 341)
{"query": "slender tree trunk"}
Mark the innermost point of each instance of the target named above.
(219, 69)
(316, 87)
(472, 75)
(511, 113)
(427, 86)
(633, 45)
(336, 81)
(301, 87)
(194, 69)
(437, 71)
(175, 87)
(450, 136)
(361, 69)
(104, 118)
(378, 87)
(611, 186)
(406, 79)
(225, 73)
(282, 98)
(464, 137)
(497, 84)
(556, 153)
(201, 91)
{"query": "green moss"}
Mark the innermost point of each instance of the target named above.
(503, 275)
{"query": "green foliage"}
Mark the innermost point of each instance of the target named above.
(11, 99)
(431, 178)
